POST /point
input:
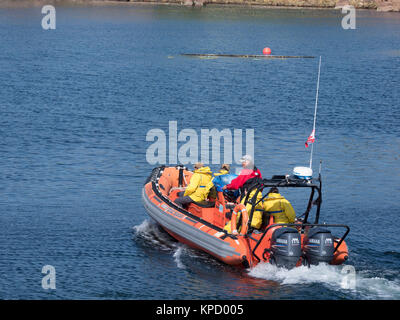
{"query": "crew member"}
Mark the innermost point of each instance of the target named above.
(196, 190)
(256, 220)
(249, 171)
(225, 167)
(220, 179)
(277, 206)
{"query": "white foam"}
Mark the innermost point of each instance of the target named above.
(320, 273)
(377, 287)
(149, 231)
(177, 257)
(331, 277)
(366, 284)
(143, 227)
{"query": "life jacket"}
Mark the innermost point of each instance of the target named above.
(256, 219)
(250, 184)
(245, 175)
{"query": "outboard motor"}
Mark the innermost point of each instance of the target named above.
(318, 245)
(285, 247)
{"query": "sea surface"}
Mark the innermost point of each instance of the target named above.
(77, 102)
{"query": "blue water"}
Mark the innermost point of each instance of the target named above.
(77, 102)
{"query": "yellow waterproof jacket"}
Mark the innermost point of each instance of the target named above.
(279, 208)
(256, 221)
(196, 189)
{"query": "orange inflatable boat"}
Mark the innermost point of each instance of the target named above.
(201, 226)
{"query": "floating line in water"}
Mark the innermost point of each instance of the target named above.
(211, 55)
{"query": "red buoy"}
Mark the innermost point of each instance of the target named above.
(266, 51)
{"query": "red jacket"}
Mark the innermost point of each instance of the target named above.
(245, 175)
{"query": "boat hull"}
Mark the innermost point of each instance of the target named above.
(197, 234)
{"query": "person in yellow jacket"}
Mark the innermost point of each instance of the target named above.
(256, 221)
(280, 208)
(210, 190)
(196, 190)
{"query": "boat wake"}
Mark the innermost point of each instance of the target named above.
(151, 233)
(363, 284)
(177, 257)
(358, 285)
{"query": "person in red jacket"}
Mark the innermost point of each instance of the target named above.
(249, 171)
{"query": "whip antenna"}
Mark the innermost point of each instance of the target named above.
(306, 172)
(315, 113)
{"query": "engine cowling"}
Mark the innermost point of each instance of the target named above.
(318, 246)
(285, 247)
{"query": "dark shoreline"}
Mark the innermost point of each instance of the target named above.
(290, 4)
